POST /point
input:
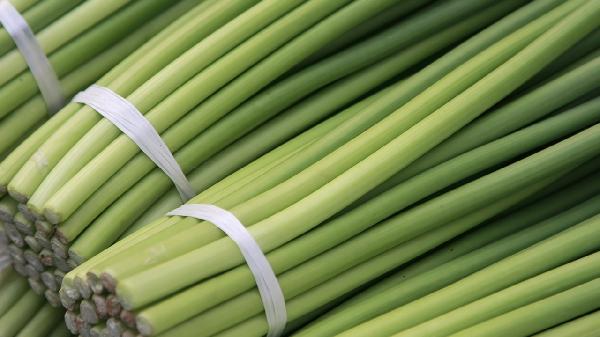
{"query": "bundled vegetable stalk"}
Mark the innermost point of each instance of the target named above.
(378, 309)
(208, 95)
(180, 276)
(24, 313)
(82, 40)
(524, 301)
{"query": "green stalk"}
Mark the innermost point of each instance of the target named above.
(574, 188)
(311, 244)
(23, 5)
(346, 226)
(38, 17)
(573, 243)
(83, 48)
(34, 111)
(61, 32)
(326, 98)
(60, 330)
(81, 247)
(201, 180)
(289, 122)
(350, 280)
(106, 228)
(369, 27)
(540, 315)
(314, 208)
(112, 158)
(581, 50)
(291, 148)
(367, 244)
(538, 103)
(173, 39)
(585, 326)
(382, 107)
(521, 294)
(146, 62)
(252, 170)
(12, 289)
(42, 322)
(218, 72)
(68, 291)
(18, 315)
(8, 208)
(405, 286)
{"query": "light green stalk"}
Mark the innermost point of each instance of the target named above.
(521, 294)
(572, 243)
(577, 186)
(23, 5)
(184, 96)
(540, 315)
(585, 326)
(113, 157)
(352, 223)
(143, 64)
(314, 208)
(38, 17)
(12, 289)
(216, 137)
(537, 104)
(370, 27)
(403, 92)
(42, 322)
(61, 32)
(19, 314)
(82, 49)
(350, 280)
(26, 117)
(408, 284)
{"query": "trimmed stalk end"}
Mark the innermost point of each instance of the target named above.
(109, 282)
(143, 326)
(52, 216)
(52, 298)
(20, 197)
(30, 213)
(83, 287)
(88, 313)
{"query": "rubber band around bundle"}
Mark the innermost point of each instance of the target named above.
(130, 121)
(270, 291)
(34, 56)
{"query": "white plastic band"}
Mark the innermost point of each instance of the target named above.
(38, 63)
(266, 281)
(130, 121)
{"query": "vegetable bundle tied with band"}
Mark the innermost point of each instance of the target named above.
(180, 277)
(82, 39)
(354, 139)
(256, 84)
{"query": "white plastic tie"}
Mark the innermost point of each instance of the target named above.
(36, 60)
(130, 121)
(266, 281)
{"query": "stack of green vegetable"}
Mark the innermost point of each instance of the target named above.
(24, 313)
(306, 202)
(229, 89)
(487, 273)
(82, 40)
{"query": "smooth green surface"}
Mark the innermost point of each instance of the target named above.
(321, 202)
